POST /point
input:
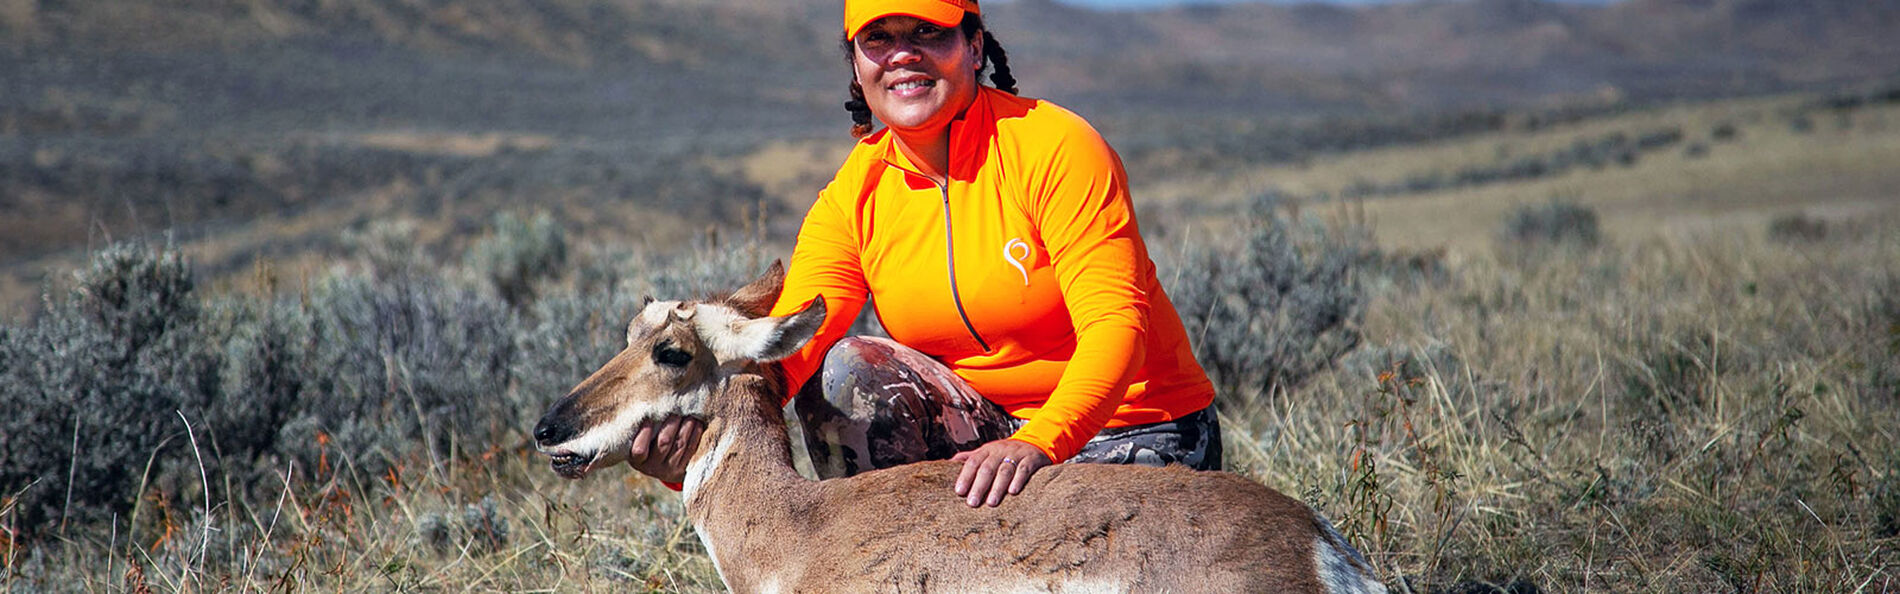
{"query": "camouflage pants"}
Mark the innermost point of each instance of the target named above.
(877, 404)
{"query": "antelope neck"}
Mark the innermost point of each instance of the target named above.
(746, 468)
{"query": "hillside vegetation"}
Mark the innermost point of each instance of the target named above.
(1568, 402)
(252, 128)
(1525, 296)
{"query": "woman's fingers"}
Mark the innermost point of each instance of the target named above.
(985, 474)
(690, 431)
(1005, 474)
(968, 475)
(642, 446)
(669, 435)
(662, 449)
(1021, 476)
(997, 470)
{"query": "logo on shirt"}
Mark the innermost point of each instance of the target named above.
(1009, 255)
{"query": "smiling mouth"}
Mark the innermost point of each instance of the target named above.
(921, 83)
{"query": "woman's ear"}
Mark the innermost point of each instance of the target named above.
(976, 48)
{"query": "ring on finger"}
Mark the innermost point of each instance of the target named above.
(1007, 460)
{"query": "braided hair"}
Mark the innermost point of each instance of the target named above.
(993, 55)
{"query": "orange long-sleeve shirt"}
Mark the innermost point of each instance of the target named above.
(1025, 273)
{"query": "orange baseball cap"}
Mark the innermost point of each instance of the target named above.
(948, 13)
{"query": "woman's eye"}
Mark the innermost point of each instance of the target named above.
(928, 33)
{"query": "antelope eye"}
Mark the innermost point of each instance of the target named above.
(671, 357)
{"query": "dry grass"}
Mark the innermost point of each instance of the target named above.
(1690, 406)
(1695, 413)
(1841, 169)
(499, 523)
(1698, 413)
(793, 172)
(465, 145)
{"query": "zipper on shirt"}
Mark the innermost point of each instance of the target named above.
(950, 254)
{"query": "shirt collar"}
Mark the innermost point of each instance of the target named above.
(969, 139)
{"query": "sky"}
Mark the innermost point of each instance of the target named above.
(1112, 4)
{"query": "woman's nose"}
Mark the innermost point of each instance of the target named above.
(904, 52)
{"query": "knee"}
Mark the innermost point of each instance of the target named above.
(852, 355)
(848, 360)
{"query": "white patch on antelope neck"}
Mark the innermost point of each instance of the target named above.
(697, 472)
(706, 542)
(702, 468)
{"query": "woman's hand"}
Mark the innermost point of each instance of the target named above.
(999, 467)
(662, 448)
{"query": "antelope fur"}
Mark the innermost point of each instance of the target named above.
(1074, 528)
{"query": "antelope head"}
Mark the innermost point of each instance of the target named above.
(679, 354)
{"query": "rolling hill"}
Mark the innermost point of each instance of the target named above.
(267, 124)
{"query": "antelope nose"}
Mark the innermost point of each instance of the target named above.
(549, 432)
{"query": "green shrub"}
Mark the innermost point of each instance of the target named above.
(390, 362)
(1886, 501)
(566, 336)
(1615, 148)
(101, 379)
(1797, 228)
(479, 528)
(389, 249)
(707, 268)
(360, 372)
(1882, 358)
(1556, 223)
(520, 255)
(1275, 309)
(1670, 373)
(416, 360)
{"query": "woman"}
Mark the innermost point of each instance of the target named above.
(995, 236)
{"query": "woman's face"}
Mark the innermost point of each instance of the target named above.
(917, 76)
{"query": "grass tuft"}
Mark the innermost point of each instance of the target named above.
(1559, 222)
(1692, 413)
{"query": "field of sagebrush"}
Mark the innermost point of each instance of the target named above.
(1694, 414)
(1557, 402)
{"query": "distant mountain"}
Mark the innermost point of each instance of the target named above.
(1249, 57)
(1441, 53)
(262, 125)
(585, 32)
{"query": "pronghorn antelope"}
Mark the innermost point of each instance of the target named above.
(1075, 528)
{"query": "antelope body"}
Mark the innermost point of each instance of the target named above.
(1074, 528)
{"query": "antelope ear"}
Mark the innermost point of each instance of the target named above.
(770, 339)
(756, 299)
